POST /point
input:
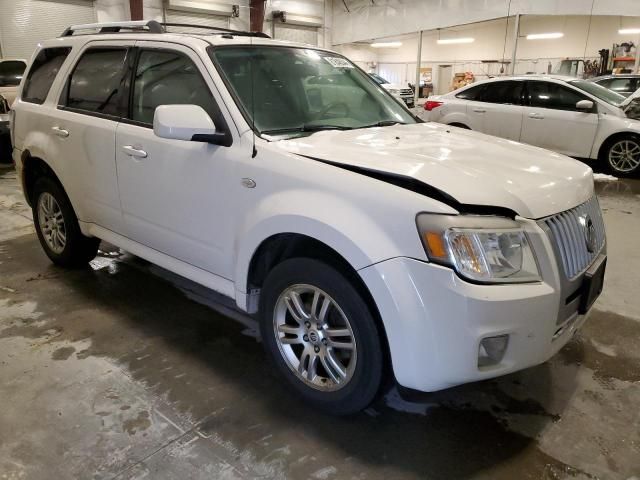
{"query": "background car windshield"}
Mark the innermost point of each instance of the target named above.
(378, 78)
(297, 90)
(599, 91)
(11, 72)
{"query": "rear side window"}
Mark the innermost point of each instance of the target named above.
(168, 78)
(97, 81)
(553, 95)
(472, 93)
(42, 73)
(11, 72)
(502, 92)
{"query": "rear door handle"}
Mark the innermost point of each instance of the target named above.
(479, 110)
(536, 116)
(60, 132)
(134, 152)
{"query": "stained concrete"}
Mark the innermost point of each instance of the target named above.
(123, 371)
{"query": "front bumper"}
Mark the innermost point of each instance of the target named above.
(435, 321)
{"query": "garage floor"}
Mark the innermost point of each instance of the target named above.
(122, 371)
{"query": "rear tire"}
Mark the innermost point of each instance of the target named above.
(321, 336)
(57, 226)
(621, 156)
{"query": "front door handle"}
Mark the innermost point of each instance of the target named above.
(536, 116)
(479, 110)
(134, 152)
(60, 132)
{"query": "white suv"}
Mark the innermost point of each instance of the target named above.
(574, 117)
(364, 240)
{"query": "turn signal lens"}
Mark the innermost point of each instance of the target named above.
(435, 245)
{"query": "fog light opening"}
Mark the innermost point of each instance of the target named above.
(492, 350)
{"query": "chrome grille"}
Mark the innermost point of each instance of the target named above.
(570, 232)
(406, 92)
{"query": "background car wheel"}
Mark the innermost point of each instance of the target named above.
(57, 226)
(321, 336)
(622, 156)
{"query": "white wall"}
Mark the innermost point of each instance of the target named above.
(112, 10)
(493, 40)
(383, 18)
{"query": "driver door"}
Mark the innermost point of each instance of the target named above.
(175, 194)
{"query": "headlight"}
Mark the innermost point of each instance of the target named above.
(481, 249)
(393, 91)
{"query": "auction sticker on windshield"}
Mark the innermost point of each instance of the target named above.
(339, 62)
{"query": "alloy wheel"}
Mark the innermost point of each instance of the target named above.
(51, 223)
(315, 337)
(624, 156)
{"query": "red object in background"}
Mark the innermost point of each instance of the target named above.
(431, 104)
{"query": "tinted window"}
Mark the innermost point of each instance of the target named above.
(168, 78)
(96, 81)
(472, 93)
(553, 95)
(42, 73)
(502, 92)
(11, 72)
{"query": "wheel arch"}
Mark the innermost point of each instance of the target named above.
(612, 138)
(34, 167)
(279, 247)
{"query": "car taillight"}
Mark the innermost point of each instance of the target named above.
(431, 104)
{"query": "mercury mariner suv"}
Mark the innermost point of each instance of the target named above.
(369, 244)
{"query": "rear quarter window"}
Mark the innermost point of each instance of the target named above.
(42, 73)
(472, 93)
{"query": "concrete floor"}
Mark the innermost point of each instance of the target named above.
(122, 371)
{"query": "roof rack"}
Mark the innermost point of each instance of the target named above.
(146, 26)
(218, 29)
(152, 26)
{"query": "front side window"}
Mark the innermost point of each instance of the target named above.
(507, 93)
(553, 95)
(168, 78)
(42, 73)
(97, 81)
(599, 91)
(11, 72)
(289, 91)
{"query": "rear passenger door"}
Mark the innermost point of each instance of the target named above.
(176, 195)
(497, 108)
(551, 119)
(83, 131)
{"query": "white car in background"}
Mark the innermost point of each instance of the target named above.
(567, 115)
(403, 92)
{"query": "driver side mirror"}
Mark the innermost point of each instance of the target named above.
(584, 105)
(187, 122)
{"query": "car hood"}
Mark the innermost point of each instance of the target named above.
(473, 168)
(394, 86)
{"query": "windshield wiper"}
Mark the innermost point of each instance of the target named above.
(384, 123)
(305, 128)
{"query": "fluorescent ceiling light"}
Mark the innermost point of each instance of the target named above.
(386, 44)
(544, 36)
(628, 31)
(449, 41)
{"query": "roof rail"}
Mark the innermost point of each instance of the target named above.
(148, 26)
(217, 29)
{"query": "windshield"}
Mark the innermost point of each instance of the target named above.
(297, 91)
(599, 91)
(11, 72)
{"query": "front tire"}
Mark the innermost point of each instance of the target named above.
(57, 226)
(622, 156)
(321, 336)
